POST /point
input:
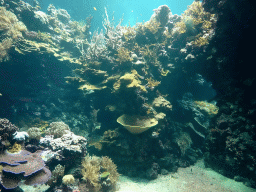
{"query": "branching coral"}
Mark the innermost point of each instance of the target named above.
(10, 25)
(150, 55)
(123, 55)
(100, 174)
(152, 83)
(90, 172)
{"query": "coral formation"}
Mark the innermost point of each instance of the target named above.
(16, 148)
(20, 136)
(68, 180)
(7, 129)
(5, 45)
(34, 133)
(130, 81)
(131, 70)
(67, 143)
(100, 174)
(57, 175)
(210, 108)
(23, 165)
(10, 25)
(184, 141)
(162, 103)
(57, 129)
(136, 124)
(123, 55)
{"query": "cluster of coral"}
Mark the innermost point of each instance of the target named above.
(136, 94)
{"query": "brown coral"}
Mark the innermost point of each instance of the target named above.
(10, 25)
(99, 171)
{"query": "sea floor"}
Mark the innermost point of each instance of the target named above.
(200, 179)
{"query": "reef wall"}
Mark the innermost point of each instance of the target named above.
(231, 141)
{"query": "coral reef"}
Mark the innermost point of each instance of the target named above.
(159, 73)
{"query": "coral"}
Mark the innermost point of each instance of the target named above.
(29, 166)
(67, 143)
(39, 188)
(57, 175)
(152, 25)
(196, 20)
(15, 148)
(129, 81)
(152, 83)
(164, 72)
(90, 171)
(92, 76)
(184, 141)
(57, 129)
(110, 170)
(100, 174)
(34, 133)
(161, 102)
(179, 28)
(20, 136)
(123, 55)
(129, 34)
(5, 46)
(68, 180)
(150, 55)
(210, 108)
(10, 25)
(6, 131)
(162, 14)
(136, 124)
(201, 40)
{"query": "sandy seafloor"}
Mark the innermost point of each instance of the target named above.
(200, 179)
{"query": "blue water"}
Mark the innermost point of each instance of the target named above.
(132, 10)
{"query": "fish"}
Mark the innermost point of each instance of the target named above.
(94, 8)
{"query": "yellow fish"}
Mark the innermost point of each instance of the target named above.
(94, 8)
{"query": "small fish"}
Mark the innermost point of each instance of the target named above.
(94, 8)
